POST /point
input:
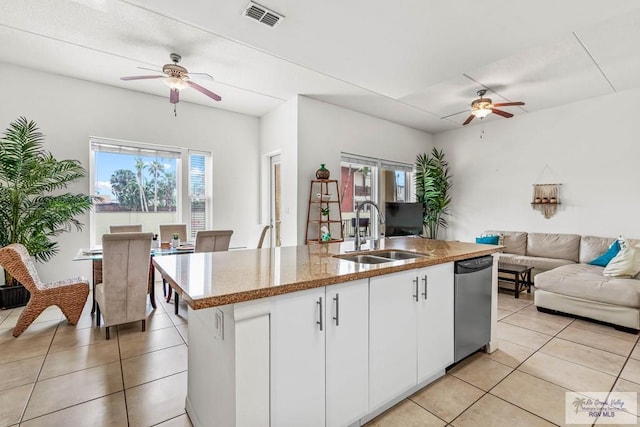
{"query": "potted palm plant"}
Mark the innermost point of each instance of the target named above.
(433, 184)
(33, 207)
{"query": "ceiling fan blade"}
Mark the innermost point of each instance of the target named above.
(141, 77)
(466, 122)
(150, 69)
(174, 96)
(201, 76)
(204, 90)
(501, 113)
(507, 104)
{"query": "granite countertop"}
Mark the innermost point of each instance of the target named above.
(218, 278)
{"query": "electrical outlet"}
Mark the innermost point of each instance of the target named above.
(218, 325)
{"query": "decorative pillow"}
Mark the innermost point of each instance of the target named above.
(488, 240)
(626, 263)
(606, 257)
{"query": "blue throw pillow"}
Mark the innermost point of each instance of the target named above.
(489, 240)
(606, 257)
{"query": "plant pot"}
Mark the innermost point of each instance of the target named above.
(13, 296)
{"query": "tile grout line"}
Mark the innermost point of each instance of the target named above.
(124, 392)
(24, 409)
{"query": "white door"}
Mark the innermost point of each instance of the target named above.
(392, 335)
(347, 352)
(276, 202)
(435, 320)
(297, 359)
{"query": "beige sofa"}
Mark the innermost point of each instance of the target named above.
(566, 283)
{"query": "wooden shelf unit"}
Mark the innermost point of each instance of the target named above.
(315, 221)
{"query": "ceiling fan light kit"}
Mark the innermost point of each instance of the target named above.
(482, 107)
(177, 78)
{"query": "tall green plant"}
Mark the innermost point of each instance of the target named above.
(29, 213)
(433, 183)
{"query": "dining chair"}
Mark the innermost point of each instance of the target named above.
(122, 295)
(127, 228)
(167, 231)
(166, 235)
(213, 240)
(257, 237)
(69, 295)
(206, 241)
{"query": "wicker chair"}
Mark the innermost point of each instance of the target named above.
(122, 295)
(69, 295)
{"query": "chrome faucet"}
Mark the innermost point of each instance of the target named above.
(358, 242)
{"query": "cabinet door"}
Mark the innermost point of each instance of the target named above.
(347, 352)
(392, 336)
(298, 359)
(435, 320)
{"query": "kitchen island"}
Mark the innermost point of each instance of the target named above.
(297, 336)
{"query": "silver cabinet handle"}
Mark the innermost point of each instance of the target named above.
(319, 322)
(416, 283)
(424, 279)
(337, 316)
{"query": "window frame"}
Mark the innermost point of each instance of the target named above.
(183, 199)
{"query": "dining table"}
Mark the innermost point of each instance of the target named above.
(94, 254)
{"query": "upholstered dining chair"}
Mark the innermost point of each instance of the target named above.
(127, 228)
(122, 295)
(213, 240)
(69, 295)
(167, 230)
(166, 235)
(206, 241)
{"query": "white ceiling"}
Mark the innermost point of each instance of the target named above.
(414, 62)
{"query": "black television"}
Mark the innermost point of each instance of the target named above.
(403, 219)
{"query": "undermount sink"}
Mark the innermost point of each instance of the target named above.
(396, 255)
(379, 257)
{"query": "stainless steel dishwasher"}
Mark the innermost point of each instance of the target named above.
(472, 324)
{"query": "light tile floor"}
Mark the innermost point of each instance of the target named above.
(55, 374)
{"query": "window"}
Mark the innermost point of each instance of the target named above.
(366, 178)
(199, 191)
(143, 184)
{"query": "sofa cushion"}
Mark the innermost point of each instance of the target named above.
(488, 240)
(549, 245)
(587, 282)
(514, 242)
(592, 247)
(538, 263)
(625, 264)
(606, 257)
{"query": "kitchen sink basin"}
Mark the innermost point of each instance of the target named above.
(396, 255)
(379, 257)
(364, 259)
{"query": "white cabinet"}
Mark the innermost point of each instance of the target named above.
(393, 313)
(410, 329)
(297, 359)
(347, 352)
(435, 320)
(319, 352)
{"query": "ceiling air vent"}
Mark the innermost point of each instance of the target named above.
(262, 14)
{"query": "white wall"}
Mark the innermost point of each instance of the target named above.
(278, 135)
(326, 130)
(68, 111)
(591, 147)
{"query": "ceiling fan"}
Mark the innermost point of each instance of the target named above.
(177, 77)
(482, 107)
